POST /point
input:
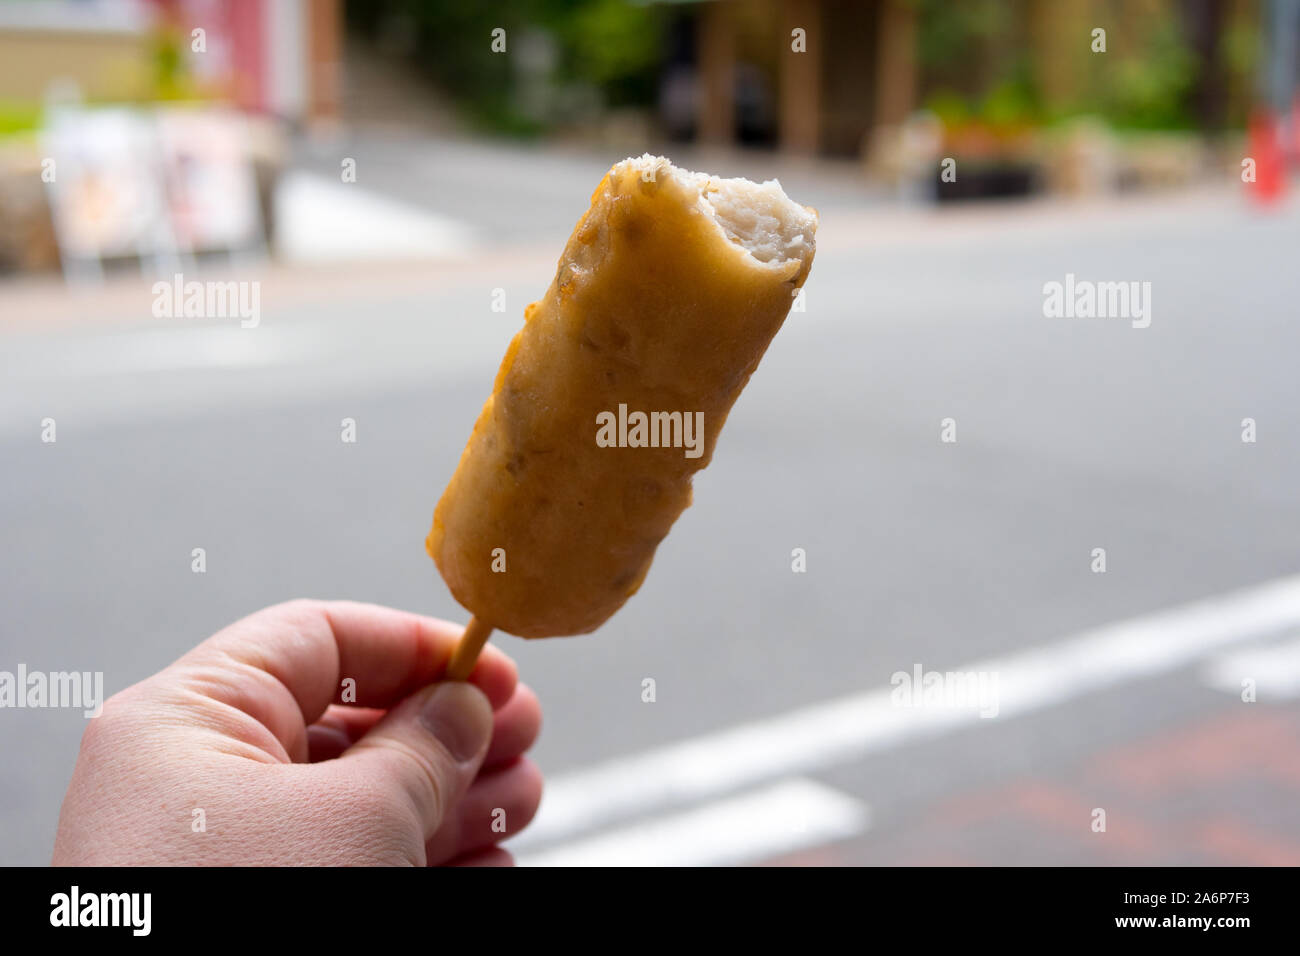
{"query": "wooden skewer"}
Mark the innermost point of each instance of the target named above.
(467, 650)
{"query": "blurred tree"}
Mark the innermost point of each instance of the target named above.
(1170, 64)
(975, 62)
(610, 45)
(1151, 86)
(452, 43)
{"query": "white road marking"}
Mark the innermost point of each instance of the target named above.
(777, 819)
(1275, 669)
(838, 731)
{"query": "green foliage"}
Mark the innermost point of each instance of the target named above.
(948, 29)
(1151, 90)
(1240, 46)
(976, 55)
(18, 118)
(951, 107)
(610, 44)
(1010, 103)
(170, 77)
(451, 42)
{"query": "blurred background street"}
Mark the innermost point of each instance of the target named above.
(949, 458)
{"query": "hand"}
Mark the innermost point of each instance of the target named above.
(240, 754)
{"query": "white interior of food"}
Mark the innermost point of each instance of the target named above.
(758, 217)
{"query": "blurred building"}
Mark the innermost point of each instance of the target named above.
(279, 57)
(164, 119)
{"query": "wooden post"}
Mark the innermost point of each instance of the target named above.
(800, 72)
(896, 64)
(716, 55)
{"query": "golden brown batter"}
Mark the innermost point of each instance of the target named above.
(667, 295)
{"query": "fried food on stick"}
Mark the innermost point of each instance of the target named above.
(666, 297)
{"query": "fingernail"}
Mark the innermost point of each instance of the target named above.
(460, 716)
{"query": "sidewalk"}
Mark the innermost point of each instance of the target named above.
(526, 234)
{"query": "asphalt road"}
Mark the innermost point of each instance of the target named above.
(1072, 434)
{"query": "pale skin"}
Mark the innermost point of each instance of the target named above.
(250, 728)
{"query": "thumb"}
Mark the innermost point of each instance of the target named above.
(428, 748)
